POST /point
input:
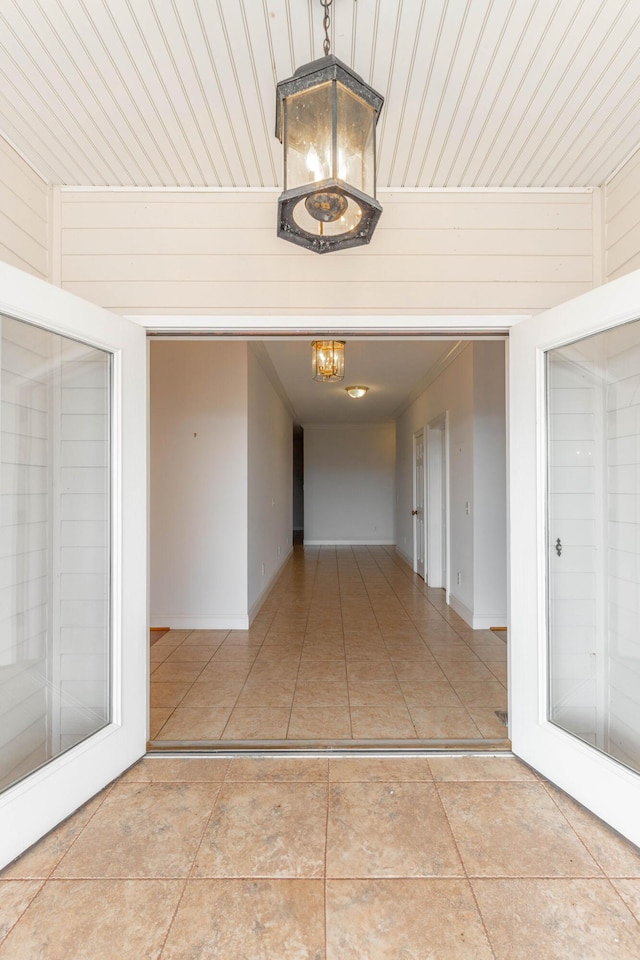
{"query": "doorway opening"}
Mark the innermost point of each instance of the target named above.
(298, 485)
(339, 644)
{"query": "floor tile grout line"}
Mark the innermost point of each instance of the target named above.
(186, 691)
(464, 867)
(107, 791)
(463, 875)
(189, 875)
(395, 670)
(306, 623)
(244, 683)
(340, 596)
(553, 799)
(41, 883)
(326, 857)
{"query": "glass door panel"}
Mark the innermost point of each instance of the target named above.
(73, 553)
(55, 545)
(593, 418)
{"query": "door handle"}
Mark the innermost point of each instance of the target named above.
(559, 547)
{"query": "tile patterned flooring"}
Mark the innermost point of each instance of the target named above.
(349, 646)
(361, 858)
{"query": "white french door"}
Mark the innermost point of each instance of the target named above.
(73, 554)
(574, 680)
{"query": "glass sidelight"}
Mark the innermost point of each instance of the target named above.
(54, 545)
(593, 549)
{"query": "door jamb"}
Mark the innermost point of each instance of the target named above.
(421, 431)
(494, 326)
(441, 424)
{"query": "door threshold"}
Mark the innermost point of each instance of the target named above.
(322, 748)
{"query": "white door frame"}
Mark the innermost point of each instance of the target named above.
(419, 501)
(438, 533)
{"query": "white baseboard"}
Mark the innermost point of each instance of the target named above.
(405, 556)
(462, 610)
(349, 543)
(485, 623)
(475, 621)
(255, 606)
(222, 621)
(185, 622)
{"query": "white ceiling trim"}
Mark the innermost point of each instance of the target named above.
(272, 191)
(445, 327)
(431, 376)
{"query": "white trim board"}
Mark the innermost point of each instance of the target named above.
(186, 622)
(260, 599)
(349, 543)
(456, 325)
(404, 556)
(477, 622)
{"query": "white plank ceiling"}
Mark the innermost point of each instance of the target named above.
(479, 93)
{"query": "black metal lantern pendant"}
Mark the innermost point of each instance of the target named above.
(326, 117)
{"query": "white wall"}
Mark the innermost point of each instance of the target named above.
(199, 252)
(489, 484)
(199, 472)
(270, 505)
(349, 483)
(622, 220)
(23, 214)
(452, 392)
(471, 390)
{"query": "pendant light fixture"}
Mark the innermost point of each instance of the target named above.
(326, 118)
(327, 359)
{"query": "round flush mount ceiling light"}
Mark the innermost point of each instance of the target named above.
(356, 392)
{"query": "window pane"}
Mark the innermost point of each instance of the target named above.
(593, 399)
(54, 545)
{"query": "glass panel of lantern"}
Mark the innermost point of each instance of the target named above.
(355, 141)
(308, 136)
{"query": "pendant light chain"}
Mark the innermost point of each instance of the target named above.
(326, 23)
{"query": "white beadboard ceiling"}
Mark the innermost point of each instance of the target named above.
(181, 93)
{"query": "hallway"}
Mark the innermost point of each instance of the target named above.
(349, 648)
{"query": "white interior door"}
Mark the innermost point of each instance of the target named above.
(575, 548)
(73, 554)
(418, 504)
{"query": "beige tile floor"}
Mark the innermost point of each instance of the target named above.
(349, 645)
(355, 858)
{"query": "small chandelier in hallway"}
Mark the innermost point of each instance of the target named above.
(326, 118)
(327, 360)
